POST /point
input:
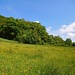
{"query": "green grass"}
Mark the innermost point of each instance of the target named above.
(26, 59)
(6, 40)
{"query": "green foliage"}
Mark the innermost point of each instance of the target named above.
(73, 44)
(22, 31)
(56, 40)
(28, 32)
(9, 29)
(68, 42)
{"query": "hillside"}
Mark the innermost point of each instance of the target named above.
(29, 32)
(28, 59)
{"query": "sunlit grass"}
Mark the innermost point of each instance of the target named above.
(26, 59)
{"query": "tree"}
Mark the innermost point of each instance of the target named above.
(58, 40)
(9, 30)
(68, 42)
(26, 32)
(50, 39)
(73, 44)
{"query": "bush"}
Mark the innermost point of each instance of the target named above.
(73, 44)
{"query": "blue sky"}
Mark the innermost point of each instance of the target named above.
(58, 16)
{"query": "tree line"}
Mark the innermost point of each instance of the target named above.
(29, 32)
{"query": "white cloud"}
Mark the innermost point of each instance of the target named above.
(37, 21)
(51, 32)
(65, 31)
(72, 35)
(49, 29)
(68, 30)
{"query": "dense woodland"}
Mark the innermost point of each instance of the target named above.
(29, 32)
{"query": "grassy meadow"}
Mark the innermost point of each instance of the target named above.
(28, 59)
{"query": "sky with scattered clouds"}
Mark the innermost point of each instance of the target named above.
(58, 16)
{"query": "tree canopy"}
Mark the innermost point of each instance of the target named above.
(28, 32)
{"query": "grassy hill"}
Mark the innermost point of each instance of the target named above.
(28, 59)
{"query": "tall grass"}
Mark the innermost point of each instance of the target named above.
(26, 59)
